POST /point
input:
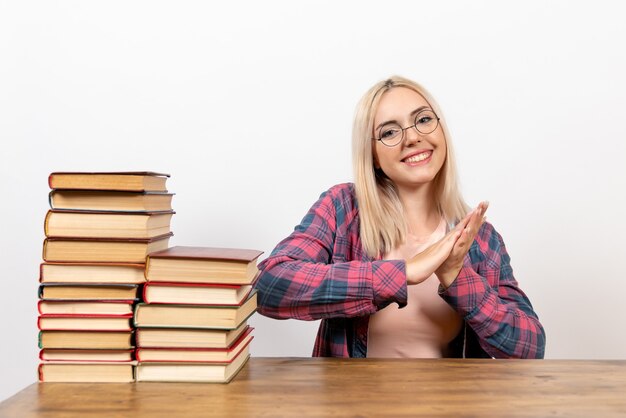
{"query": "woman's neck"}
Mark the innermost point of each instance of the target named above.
(420, 209)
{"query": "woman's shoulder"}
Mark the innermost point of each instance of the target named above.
(342, 193)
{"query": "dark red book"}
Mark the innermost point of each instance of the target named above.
(195, 355)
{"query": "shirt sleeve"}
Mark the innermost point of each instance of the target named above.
(487, 295)
(299, 279)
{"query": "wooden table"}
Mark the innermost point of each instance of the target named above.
(301, 387)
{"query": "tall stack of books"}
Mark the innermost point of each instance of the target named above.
(192, 326)
(99, 230)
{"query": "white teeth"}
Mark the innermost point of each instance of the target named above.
(418, 157)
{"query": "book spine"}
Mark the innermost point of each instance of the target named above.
(50, 200)
(39, 340)
(144, 293)
(50, 181)
(40, 372)
(39, 307)
(41, 272)
(45, 223)
(146, 268)
(41, 354)
(43, 252)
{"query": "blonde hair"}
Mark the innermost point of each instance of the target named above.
(382, 220)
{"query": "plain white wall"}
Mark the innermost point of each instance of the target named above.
(249, 106)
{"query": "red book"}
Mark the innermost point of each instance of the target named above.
(85, 322)
(195, 355)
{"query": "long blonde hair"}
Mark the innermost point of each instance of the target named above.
(383, 224)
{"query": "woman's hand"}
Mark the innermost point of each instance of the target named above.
(449, 269)
(420, 267)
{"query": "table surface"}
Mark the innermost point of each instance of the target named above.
(352, 387)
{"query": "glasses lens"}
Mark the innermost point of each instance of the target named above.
(426, 121)
(390, 134)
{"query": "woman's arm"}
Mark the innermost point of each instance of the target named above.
(500, 314)
(299, 280)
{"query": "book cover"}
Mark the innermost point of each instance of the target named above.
(195, 293)
(138, 181)
(195, 354)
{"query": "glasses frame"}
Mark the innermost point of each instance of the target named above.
(408, 127)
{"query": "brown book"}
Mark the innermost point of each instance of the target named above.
(192, 372)
(188, 338)
(100, 224)
(100, 307)
(110, 201)
(203, 265)
(137, 181)
(84, 323)
(195, 316)
(102, 249)
(195, 355)
(56, 354)
(195, 293)
(113, 340)
(86, 372)
(89, 291)
(91, 273)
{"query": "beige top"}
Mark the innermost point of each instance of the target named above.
(426, 325)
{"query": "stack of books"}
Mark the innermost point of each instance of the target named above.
(192, 324)
(99, 230)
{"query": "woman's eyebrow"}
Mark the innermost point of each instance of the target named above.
(413, 113)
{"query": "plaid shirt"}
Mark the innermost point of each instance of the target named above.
(321, 271)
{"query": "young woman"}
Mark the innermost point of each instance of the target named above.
(396, 265)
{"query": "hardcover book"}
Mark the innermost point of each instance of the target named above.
(195, 316)
(56, 354)
(195, 293)
(88, 340)
(192, 372)
(99, 307)
(100, 224)
(89, 291)
(187, 338)
(87, 372)
(110, 201)
(91, 273)
(203, 265)
(195, 355)
(102, 249)
(138, 181)
(52, 322)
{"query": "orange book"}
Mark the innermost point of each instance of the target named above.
(112, 201)
(195, 293)
(103, 224)
(137, 181)
(203, 265)
(55, 272)
(113, 250)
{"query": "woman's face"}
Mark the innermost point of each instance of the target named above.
(417, 159)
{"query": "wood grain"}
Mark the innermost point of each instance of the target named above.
(304, 387)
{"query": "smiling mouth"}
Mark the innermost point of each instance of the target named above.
(418, 157)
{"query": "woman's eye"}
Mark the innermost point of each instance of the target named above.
(388, 133)
(424, 119)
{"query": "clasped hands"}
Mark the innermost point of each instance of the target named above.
(445, 257)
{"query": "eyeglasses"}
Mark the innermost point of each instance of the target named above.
(391, 134)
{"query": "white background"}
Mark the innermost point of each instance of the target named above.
(249, 106)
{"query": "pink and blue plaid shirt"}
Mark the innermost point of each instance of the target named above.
(321, 271)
